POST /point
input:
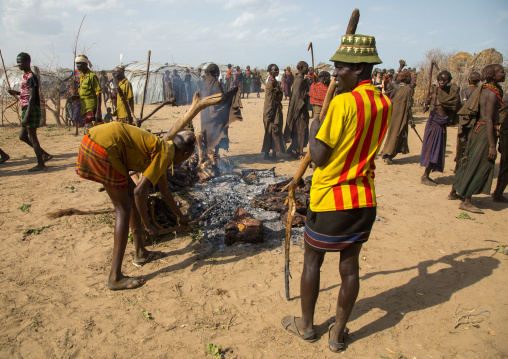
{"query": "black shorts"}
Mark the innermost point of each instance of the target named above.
(335, 230)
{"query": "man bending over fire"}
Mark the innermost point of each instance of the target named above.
(106, 155)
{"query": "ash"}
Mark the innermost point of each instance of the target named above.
(231, 191)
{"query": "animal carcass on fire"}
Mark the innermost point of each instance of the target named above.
(272, 199)
(243, 228)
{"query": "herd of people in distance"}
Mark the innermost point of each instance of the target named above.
(368, 105)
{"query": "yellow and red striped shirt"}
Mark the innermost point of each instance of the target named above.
(354, 128)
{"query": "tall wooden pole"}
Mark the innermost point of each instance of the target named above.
(74, 59)
(146, 83)
(311, 48)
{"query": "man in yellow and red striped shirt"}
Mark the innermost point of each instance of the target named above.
(342, 205)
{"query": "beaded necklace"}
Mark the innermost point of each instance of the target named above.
(496, 90)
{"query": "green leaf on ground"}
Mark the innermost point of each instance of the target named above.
(464, 215)
(25, 207)
(37, 230)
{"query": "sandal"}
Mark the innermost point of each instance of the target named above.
(340, 346)
(290, 322)
(126, 283)
(152, 256)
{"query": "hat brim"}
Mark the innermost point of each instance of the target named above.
(355, 59)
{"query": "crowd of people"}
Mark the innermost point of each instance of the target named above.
(367, 104)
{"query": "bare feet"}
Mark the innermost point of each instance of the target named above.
(428, 182)
(38, 168)
(46, 157)
(292, 154)
(468, 206)
(126, 283)
(453, 195)
(4, 159)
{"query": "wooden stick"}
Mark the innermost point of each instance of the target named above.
(197, 105)
(74, 59)
(15, 102)
(171, 101)
(426, 106)
(9, 85)
(351, 29)
(312, 55)
(128, 108)
(146, 83)
(178, 228)
(5, 72)
(74, 211)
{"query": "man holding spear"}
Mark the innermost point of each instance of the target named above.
(342, 206)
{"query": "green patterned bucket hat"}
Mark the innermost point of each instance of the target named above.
(357, 48)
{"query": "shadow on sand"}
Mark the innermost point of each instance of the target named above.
(423, 291)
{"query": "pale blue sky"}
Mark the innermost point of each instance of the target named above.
(243, 32)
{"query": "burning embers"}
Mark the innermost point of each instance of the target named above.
(248, 208)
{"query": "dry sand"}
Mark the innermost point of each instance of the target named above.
(423, 271)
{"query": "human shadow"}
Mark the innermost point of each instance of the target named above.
(406, 160)
(486, 202)
(423, 291)
(203, 255)
(10, 168)
(445, 180)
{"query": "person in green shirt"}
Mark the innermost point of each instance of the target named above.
(123, 112)
(89, 92)
(106, 155)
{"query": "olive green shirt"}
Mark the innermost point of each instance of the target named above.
(121, 110)
(133, 149)
(89, 88)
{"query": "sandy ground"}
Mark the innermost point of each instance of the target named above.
(432, 286)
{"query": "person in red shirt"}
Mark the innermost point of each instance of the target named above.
(31, 111)
(318, 90)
